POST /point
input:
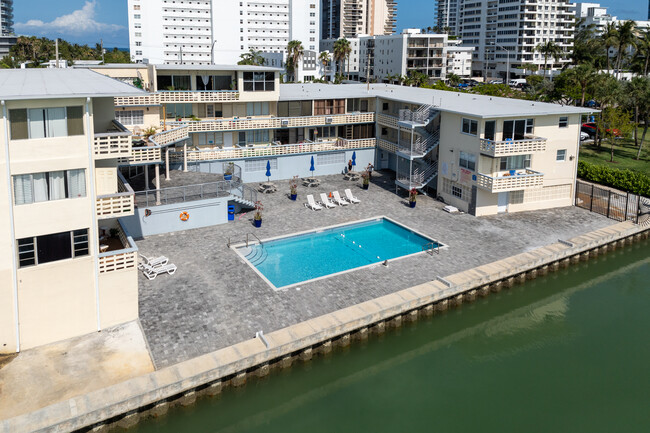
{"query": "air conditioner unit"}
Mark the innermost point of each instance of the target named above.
(284, 122)
(329, 120)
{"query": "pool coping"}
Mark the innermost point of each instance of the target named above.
(239, 246)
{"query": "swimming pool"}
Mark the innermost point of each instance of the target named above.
(290, 260)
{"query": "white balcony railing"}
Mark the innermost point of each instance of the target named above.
(513, 147)
(113, 144)
(144, 155)
(387, 120)
(273, 150)
(126, 258)
(179, 97)
(119, 204)
(512, 180)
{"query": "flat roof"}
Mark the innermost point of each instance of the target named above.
(247, 68)
(37, 83)
(110, 66)
(454, 102)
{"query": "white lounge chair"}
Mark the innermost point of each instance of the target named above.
(151, 272)
(338, 200)
(326, 201)
(158, 261)
(350, 197)
(311, 203)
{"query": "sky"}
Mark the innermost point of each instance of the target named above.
(88, 21)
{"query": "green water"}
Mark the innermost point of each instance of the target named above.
(566, 353)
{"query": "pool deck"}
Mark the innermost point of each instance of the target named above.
(216, 300)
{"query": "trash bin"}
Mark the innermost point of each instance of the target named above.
(231, 212)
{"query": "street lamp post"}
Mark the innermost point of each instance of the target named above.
(508, 61)
(212, 52)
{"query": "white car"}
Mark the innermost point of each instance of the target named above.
(584, 136)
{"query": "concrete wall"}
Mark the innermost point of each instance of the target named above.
(166, 218)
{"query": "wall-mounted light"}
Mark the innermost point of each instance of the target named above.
(571, 158)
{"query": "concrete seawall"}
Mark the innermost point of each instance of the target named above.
(126, 402)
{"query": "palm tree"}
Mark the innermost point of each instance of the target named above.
(342, 51)
(324, 59)
(253, 58)
(626, 38)
(454, 80)
(295, 52)
(607, 91)
(637, 91)
(584, 76)
(609, 37)
(549, 49)
(528, 67)
(643, 49)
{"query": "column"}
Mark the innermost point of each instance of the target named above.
(157, 168)
(185, 157)
(167, 163)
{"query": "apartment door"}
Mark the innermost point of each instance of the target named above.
(502, 202)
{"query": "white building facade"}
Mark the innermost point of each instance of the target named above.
(203, 32)
(350, 18)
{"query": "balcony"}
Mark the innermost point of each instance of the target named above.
(119, 204)
(512, 180)
(143, 155)
(121, 253)
(113, 144)
(512, 147)
(179, 97)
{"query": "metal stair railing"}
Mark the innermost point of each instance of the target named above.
(247, 241)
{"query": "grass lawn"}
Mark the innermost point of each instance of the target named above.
(624, 154)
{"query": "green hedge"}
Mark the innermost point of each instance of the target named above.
(624, 180)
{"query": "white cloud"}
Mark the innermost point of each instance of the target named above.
(78, 22)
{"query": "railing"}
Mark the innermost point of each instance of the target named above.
(246, 193)
(431, 247)
(510, 182)
(272, 150)
(143, 155)
(613, 204)
(387, 145)
(116, 205)
(126, 258)
(183, 194)
(237, 124)
(513, 147)
(387, 120)
(178, 96)
(171, 136)
(113, 144)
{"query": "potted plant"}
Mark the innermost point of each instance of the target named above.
(257, 219)
(230, 168)
(293, 185)
(413, 193)
(366, 179)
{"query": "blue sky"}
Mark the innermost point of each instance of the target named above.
(87, 21)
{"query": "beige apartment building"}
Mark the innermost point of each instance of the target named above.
(67, 267)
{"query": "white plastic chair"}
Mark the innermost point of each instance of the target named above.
(351, 198)
(311, 203)
(158, 261)
(326, 201)
(151, 272)
(338, 200)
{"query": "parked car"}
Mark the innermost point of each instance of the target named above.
(516, 82)
(495, 81)
(584, 136)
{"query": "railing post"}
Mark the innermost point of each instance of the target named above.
(591, 200)
(638, 207)
(627, 200)
(609, 198)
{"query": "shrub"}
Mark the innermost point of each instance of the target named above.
(624, 180)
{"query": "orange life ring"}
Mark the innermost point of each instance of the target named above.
(184, 216)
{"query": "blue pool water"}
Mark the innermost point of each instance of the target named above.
(312, 255)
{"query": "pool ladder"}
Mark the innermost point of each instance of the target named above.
(431, 247)
(229, 243)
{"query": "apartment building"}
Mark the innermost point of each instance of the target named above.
(351, 66)
(594, 15)
(351, 18)
(7, 37)
(67, 267)
(204, 32)
(412, 52)
(505, 33)
(459, 59)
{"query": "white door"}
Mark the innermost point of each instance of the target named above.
(502, 202)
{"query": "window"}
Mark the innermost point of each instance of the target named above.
(254, 137)
(50, 248)
(517, 162)
(178, 110)
(257, 108)
(564, 122)
(456, 191)
(561, 155)
(470, 126)
(490, 130)
(130, 117)
(330, 158)
(294, 109)
(517, 129)
(54, 185)
(326, 107)
(360, 105)
(252, 165)
(259, 81)
(468, 161)
(174, 82)
(46, 122)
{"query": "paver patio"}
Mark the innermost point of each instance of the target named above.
(215, 299)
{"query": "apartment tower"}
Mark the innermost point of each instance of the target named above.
(350, 18)
(7, 37)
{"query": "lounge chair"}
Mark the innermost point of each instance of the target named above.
(350, 197)
(326, 201)
(311, 203)
(338, 200)
(158, 261)
(151, 272)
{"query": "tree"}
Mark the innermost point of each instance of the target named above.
(549, 49)
(636, 94)
(625, 39)
(609, 36)
(583, 76)
(616, 122)
(643, 50)
(453, 79)
(342, 51)
(252, 58)
(295, 51)
(586, 45)
(324, 59)
(607, 91)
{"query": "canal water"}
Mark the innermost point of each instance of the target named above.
(569, 352)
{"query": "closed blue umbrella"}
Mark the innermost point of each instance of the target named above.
(268, 170)
(354, 158)
(312, 166)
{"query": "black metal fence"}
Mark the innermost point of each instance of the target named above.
(617, 205)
